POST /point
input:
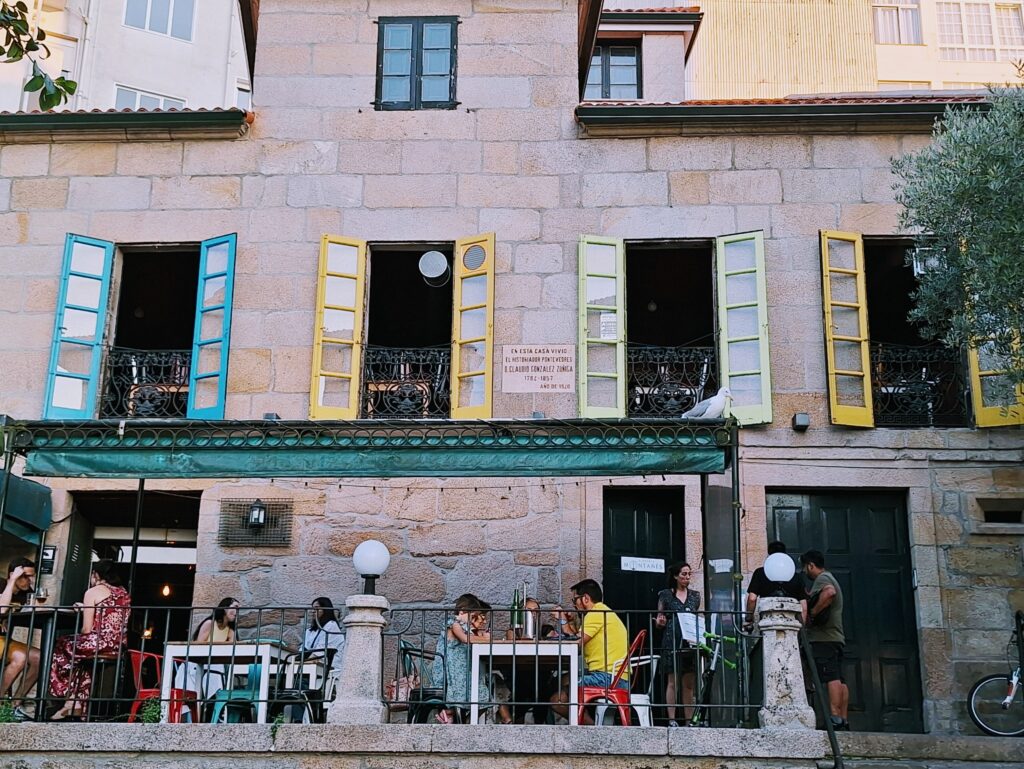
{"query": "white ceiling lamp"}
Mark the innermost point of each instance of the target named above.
(434, 269)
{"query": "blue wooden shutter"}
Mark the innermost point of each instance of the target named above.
(207, 384)
(77, 350)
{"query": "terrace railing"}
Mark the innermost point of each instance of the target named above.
(918, 386)
(145, 384)
(406, 382)
(666, 381)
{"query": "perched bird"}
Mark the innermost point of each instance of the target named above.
(710, 408)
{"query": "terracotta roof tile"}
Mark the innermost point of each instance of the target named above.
(688, 9)
(126, 111)
(930, 98)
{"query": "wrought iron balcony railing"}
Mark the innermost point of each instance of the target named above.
(918, 386)
(145, 384)
(666, 381)
(406, 382)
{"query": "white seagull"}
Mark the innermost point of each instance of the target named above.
(710, 408)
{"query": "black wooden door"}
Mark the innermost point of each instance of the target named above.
(640, 523)
(864, 537)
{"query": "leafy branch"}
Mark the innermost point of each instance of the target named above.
(21, 41)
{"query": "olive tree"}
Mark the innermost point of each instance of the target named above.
(964, 197)
(18, 40)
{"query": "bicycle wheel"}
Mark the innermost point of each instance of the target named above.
(985, 706)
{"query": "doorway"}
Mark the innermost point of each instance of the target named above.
(865, 539)
(644, 533)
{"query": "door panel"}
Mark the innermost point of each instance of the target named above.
(645, 523)
(865, 541)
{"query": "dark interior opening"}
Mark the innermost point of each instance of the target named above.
(670, 295)
(167, 510)
(157, 300)
(404, 311)
(890, 283)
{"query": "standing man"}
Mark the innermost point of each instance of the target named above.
(760, 586)
(825, 632)
(604, 641)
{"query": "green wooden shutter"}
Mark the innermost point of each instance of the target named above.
(602, 327)
(743, 326)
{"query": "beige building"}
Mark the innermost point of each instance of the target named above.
(138, 54)
(205, 269)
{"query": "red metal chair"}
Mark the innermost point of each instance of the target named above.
(614, 695)
(180, 698)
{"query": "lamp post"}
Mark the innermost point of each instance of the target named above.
(371, 559)
(779, 568)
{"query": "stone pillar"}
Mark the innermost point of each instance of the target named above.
(785, 699)
(358, 695)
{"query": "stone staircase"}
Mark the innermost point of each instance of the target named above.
(926, 751)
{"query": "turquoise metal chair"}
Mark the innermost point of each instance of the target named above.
(231, 704)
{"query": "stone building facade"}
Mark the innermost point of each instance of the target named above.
(512, 158)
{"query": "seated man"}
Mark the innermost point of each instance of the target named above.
(604, 641)
(20, 663)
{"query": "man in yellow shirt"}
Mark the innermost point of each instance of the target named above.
(604, 640)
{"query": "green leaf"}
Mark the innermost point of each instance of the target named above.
(35, 83)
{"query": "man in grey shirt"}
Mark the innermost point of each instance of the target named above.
(825, 632)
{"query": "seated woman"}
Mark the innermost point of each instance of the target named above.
(324, 632)
(451, 665)
(218, 627)
(18, 661)
(105, 609)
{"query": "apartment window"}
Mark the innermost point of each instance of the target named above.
(614, 72)
(897, 22)
(1010, 23)
(164, 354)
(965, 32)
(416, 63)
(670, 353)
(131, 98)
(408, 339)
(165, 17)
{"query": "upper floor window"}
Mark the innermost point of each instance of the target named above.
(897, 22)
(967, 32)
(416, 62)
(131, 98)
(614, 72)
(166, 17)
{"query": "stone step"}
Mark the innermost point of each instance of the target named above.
(862, 763)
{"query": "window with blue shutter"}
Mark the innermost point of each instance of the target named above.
(210, 341)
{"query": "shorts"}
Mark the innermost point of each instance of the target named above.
(828, 659)
(602, 680)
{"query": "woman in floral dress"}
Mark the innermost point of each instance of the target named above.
(451, 665)
(679, 657)
(105, 609)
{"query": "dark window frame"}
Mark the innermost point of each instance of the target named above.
(604, 46)
(415, 102)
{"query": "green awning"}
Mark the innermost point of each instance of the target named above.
(28, 510)
(371, 449)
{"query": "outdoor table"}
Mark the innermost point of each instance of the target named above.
(562, 655)
(48, 620)
(237, 656)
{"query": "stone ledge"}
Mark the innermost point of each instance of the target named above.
(400, 738)
(872, 745)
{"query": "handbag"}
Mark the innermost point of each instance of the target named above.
(399, 689)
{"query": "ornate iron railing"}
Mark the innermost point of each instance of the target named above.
(145, 384)
(918, 386)
(406, 382)
(666, 381)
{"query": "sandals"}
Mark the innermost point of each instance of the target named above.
(444, 717)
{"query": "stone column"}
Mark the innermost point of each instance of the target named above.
(785, 699)
(358, 695)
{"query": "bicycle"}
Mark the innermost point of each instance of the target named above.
(702, 709)
(996, 702)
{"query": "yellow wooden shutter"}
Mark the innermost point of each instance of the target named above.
(846, 329)
(602, 327)
(473, 328)
(338, 335)
(996, 402)
(743, 326)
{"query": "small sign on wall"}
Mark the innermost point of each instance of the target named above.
(633, 563)
(538, 368)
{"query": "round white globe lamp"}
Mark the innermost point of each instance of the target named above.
(371, 559)
(779, 567)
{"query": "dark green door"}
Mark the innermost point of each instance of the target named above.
(640, 524)
(864, 537)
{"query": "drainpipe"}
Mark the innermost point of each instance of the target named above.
(7, 438)
(135, 534)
